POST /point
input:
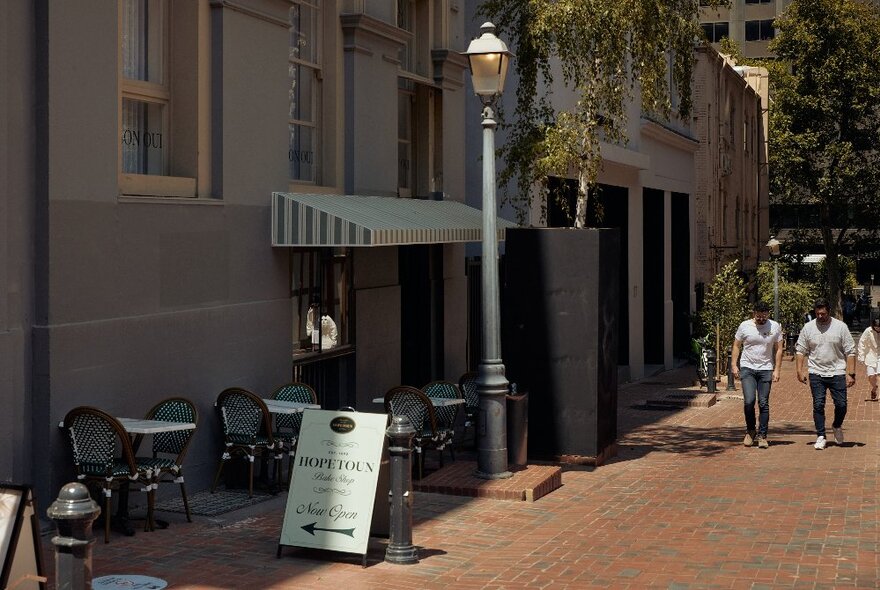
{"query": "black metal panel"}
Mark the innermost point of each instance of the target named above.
(559, 338)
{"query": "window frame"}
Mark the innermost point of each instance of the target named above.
(316, 70)
(166, 184)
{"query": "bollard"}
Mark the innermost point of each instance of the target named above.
(73, 512)
(731, 386)
(710, 370)
(400, 547)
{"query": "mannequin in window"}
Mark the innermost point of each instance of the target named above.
(329, 334)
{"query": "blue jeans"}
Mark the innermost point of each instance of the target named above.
(836, 384)
(756, 382)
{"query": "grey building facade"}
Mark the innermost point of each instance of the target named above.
(141, 143)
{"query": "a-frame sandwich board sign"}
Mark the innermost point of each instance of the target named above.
(335, 472)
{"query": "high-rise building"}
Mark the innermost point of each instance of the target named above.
(747, 22)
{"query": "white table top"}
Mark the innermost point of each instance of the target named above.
(435, 401)
(277, 406)
(140, 426)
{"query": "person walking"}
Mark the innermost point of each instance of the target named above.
(760, 342)
(831, 351)
(869, 353)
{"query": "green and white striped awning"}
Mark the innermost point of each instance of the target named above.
(345, 220)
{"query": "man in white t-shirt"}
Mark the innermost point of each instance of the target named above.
(760, 342)
(831, 351)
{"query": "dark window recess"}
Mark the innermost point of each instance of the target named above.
(714, 32)
(760, 30)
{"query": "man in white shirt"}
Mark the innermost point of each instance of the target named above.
(831, 351)
(760, 341)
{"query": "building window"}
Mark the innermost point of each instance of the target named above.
(412, 17)
(757, 1)
(304, 70)
(714, 32)
(146, 95)
(760, 30)
(405, 99)
(320, 287)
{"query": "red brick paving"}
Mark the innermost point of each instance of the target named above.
(527, 484)
(683, 505)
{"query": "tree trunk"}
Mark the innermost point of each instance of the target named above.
(832, 267)
(580, 217)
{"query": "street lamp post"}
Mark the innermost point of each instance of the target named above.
(774, 246)
(489, 58)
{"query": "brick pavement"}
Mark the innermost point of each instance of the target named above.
(683, 505)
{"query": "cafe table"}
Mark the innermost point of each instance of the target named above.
(437, 402)
(278, 406)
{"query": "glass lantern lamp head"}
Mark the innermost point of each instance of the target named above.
(774, 247)
(489, 59)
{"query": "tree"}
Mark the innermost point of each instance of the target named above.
(795, 297)
(825, 121)
(725, 306)
(601, 49)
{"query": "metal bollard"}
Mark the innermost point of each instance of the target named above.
(731, 386)
(710, 370)
(73, 512)
(400, 547)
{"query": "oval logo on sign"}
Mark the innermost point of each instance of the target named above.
(342, 424)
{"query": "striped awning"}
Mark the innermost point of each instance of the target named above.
(345, 220)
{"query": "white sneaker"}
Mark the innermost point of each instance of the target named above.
(820, 443)
(838, 435)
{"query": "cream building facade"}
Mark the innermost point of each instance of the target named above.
(732, 192)
(687, 195)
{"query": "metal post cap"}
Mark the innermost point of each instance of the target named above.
(400, 426)
(73, 502)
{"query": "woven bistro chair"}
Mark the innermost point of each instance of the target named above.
(95, 437)
(247, 431)
(467, 383)
(447, 416)
(287, 426)
(415, 405)
(169, 448)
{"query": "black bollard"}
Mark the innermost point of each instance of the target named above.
(731, 386)
(73, 512)
(400, 497)
(710, 370)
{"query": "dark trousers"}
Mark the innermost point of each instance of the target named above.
(836, 384)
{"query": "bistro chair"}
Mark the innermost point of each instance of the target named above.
(94, 437)
(415, 405)
(287, 426)
(169, 448)
(447, 416)
(247, 431)
(467, 383)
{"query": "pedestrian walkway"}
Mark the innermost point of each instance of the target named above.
(683, 505)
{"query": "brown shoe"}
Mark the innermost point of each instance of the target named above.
(762, 442)
(749, 439)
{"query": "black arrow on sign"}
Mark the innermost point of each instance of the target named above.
(311, 528)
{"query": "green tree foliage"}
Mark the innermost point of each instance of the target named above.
(795, 297)
(600, 49)
(825, 120)
(725, 305)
